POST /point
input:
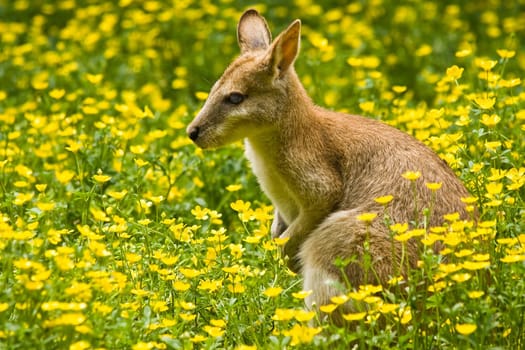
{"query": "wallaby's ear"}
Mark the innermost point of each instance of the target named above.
(252, 32)
(285, 48)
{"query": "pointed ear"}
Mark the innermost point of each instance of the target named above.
(252, 32)
(285, 48)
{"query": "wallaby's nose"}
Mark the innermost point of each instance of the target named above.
(193, 133)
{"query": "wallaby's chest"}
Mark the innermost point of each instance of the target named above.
(266, 168)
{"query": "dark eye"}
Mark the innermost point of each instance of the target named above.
(235, 98)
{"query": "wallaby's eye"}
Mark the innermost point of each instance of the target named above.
(235, 98)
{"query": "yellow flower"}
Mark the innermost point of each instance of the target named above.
(140, 162)
(304, 316)
(273, 292)
(412, 175)
(233, 188)
(39, 85)
(169, 260)
(475, 265)
(218, 323)
(118, 195)
(436, 287)
(506, 53)
(283, 314)
(159, 305)
(67, 319)
(329, 308)
(148, 113)
(181, 286)
(80, 345)
(510, 83)
(197, 338)
(424, 50)
(214, 331)
(187, 305)
(302, 334)
(464, 252)
(64, 176)
(143, 346)
(398, 89)
(492, 145)
(200, 213)
(100, 178)
(94, 78)
(339, 299)
(138, 149)
(494, 188)
(513, 258)
(22, 198)
(463, 53)
(466, 328)
(405, 314)
(403, 237)
(302, 294)
(461, 277)
(179, 83)
(452, 217)
(57, 93)
(485, 102)
(433, 186)
(490, 120)
(475, 294)
(386, 308)
(187, 316)
(240, 206)
(485, 64)
(281, 241)
(366, 217)
(211, 285)
(481, 257)
(383, 200)
(454, 72)
(367, 106)
(399, 228)
(354, 316)
(190, 273)
(396, 280)
(45, 206)
(201, 95)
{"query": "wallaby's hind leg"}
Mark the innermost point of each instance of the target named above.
(374, 257)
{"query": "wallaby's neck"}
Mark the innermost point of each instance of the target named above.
(296, 108)
(297, 95)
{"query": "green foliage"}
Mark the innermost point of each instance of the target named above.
(116, 232)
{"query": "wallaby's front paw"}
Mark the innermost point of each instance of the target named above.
(294, 264)
(291, 250)
(278, 225)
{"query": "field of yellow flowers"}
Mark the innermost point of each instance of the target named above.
(117, 233)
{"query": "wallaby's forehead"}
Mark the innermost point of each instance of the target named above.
(238, 70)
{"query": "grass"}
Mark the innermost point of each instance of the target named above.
(117, 233)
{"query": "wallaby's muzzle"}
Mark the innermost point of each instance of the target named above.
(193, 132)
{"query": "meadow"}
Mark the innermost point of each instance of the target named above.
(117, 233)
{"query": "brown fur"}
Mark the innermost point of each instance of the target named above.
(321, 169)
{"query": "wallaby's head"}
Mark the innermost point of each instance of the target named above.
(250, 95)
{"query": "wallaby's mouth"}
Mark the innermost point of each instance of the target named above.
(196, 134)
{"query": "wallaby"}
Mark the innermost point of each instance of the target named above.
(322, 169)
